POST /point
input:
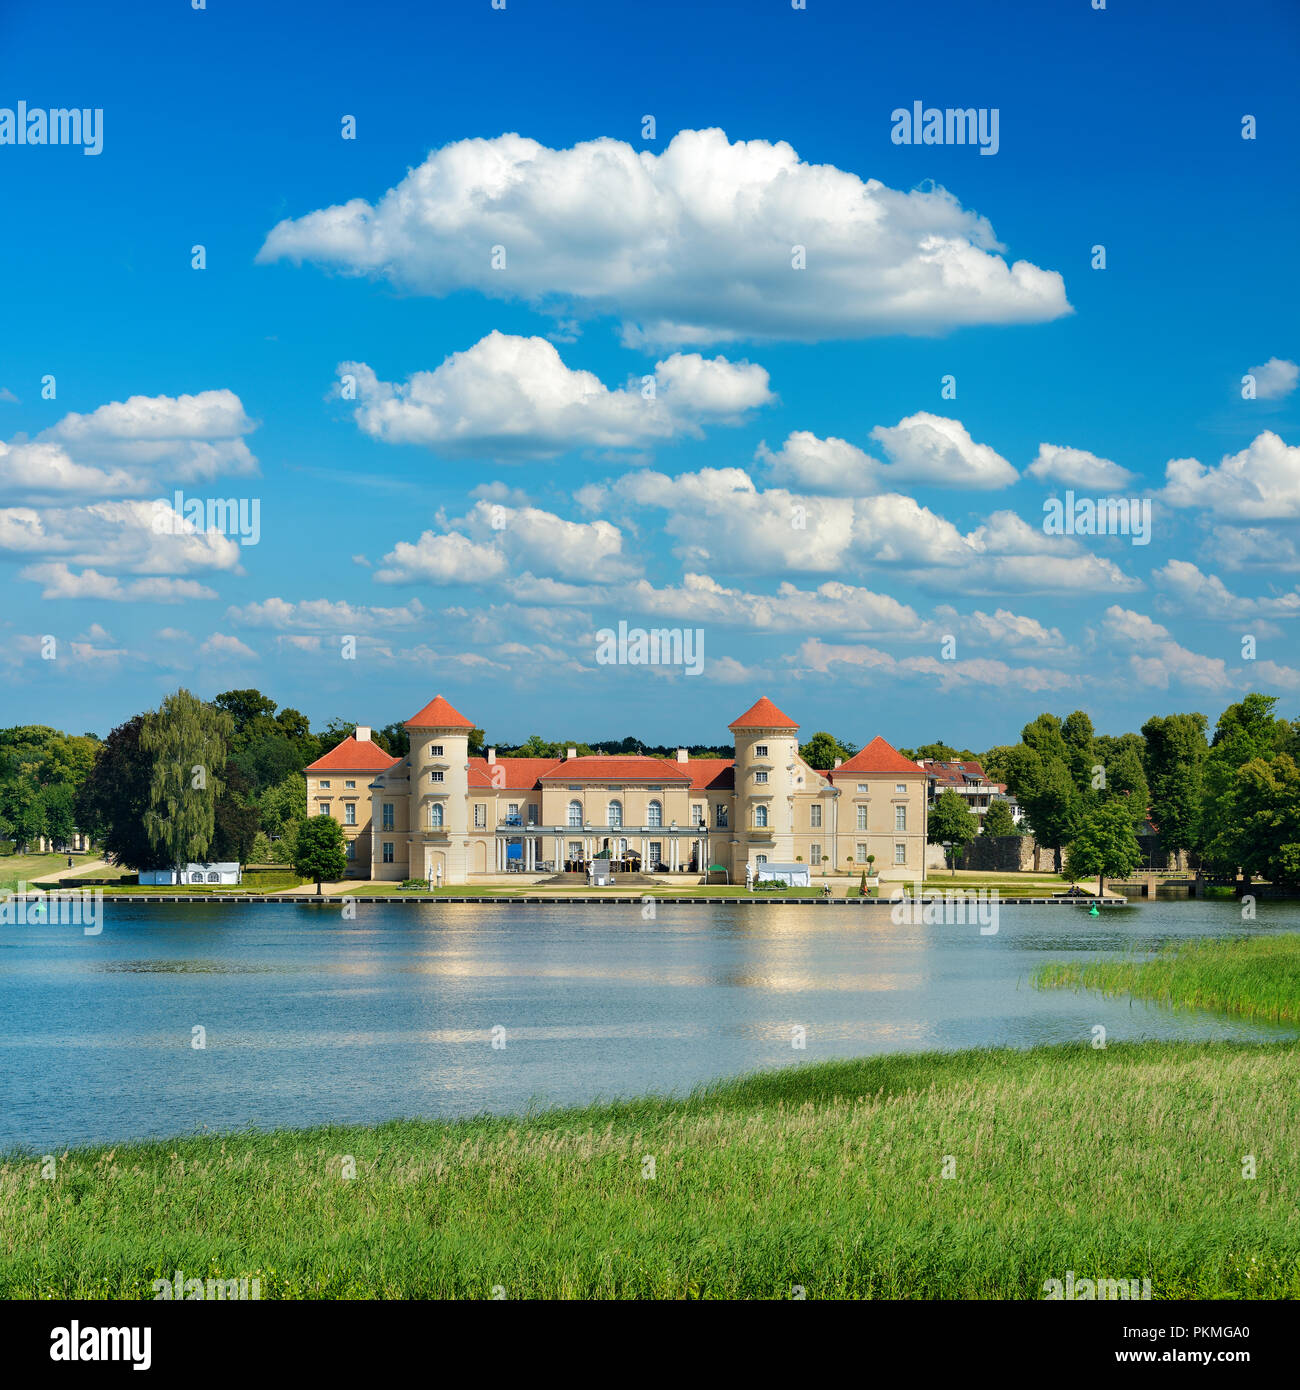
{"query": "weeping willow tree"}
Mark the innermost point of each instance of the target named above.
(185, 741)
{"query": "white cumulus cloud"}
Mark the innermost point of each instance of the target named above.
(693, 245)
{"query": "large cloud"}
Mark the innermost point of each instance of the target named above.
(1260, 483)
(925, 448)
(692, 245)
(494, 541)
(515, 396)
(1057, 463)
(130, 448)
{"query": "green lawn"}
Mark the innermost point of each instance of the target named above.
(1256, 977)
(1119, 1163)
(23, 868)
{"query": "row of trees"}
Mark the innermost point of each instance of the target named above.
(1231, 800)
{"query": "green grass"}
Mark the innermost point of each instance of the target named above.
(1252, 976)
(1124, 1162)
(23, 868)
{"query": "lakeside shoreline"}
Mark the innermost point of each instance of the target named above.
(981, 1173)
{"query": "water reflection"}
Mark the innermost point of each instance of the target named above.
(310, 1019)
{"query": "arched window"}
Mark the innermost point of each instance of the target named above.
(760, 815)
(575, 813)
(435, 816)
(196, 878)
(614, 814)
(655, 813)
(214, 878)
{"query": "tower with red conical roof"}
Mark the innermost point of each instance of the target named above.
(439, 769)
(768, 773)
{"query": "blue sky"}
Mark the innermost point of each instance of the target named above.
(1120, 127)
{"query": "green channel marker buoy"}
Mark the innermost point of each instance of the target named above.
(1094, 911)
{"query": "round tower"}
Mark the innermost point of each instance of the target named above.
(767, 772)
(439, 763)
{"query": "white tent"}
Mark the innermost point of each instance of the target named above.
(194, 873)
(792, 875)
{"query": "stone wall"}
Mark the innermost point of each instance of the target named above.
(1007, 854)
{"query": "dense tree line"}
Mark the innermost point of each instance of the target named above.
(1230, 800)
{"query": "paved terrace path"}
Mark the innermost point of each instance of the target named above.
(78, 870)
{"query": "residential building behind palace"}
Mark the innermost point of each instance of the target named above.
(439, 813)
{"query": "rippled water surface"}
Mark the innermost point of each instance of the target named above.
(312, 1019)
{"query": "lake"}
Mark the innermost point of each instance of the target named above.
(313, 1019)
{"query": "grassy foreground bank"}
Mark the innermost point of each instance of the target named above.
(1252, 976)
(1123, 1163)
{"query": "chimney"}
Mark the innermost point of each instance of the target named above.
(570, 752)
(491, 756)
(362, 734)
(683, 756)
(838, 761)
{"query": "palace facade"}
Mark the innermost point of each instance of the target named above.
(440, 813)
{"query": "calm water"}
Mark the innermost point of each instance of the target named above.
(311, 1019)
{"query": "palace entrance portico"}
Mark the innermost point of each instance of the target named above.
(555, 849)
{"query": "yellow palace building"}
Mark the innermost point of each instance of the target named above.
(440, 814)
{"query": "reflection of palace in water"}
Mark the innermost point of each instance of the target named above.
(440, 813)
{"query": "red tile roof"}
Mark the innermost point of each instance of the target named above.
(878, 756)
(599, 768)
(712, 774)
(353, 755)
(517, 774)
(953, 773)
(763, 714)
(438, 714)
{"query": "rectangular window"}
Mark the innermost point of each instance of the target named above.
(900, 854)
(721, 817)
(760, 859)
(900, 788)
(760, 750)
(437, 777)
(863, 788)
(350, 785)
(656, 853)
(697, 815)
(815, 815)
(480, 815)
(512, 810)
(325, 781)
(388, 851)
(349, 813)
(388, 815)
(862, 817)
(862, 854)
(575, 849)
(351, 849)
(900, 817)
(532, 815)
(815, 855)
(760, 777)
(435, 750)
(324, 808)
